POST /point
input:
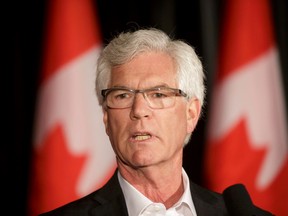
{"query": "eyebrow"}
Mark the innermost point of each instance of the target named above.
(157, 86)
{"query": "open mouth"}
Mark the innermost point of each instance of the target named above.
(141, 137)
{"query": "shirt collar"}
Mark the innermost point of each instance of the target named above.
(136, 201)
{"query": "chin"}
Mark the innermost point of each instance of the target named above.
(141, 160)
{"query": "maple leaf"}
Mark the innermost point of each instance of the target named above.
(233, 159)
(55, 173)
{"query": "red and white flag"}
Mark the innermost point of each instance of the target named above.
(247, 130)
(71, 152)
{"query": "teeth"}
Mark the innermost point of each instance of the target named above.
(142, 137)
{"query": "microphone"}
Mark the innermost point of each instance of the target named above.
(239, 203)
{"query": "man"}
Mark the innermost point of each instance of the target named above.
(151, 89)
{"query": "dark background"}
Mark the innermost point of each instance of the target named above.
(195, 21)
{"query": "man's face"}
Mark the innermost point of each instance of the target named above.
(142, 136)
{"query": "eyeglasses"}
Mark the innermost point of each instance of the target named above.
(157, 97)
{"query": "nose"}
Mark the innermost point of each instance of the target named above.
(140, 108)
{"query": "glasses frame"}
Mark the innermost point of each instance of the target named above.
(105, 93)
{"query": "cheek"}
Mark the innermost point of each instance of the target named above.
(114, 122)
(182, 124)
(176, 124)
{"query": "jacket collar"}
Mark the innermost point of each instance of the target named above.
(207, 202)
(111, 199)
(112, 202)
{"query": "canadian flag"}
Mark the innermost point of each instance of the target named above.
(72, 155)
(247, 129)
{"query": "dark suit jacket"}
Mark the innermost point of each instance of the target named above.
(109, 201)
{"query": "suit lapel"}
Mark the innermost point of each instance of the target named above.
(111, 199)
(207, 202)
(112, 202)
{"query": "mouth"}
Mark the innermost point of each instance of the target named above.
(141, 137)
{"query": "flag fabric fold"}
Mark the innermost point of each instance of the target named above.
(71, 152)
(247, 129)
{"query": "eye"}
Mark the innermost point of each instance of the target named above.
(121, 95)
(158, 94)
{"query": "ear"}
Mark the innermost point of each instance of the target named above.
(193, 114)
(105, 120)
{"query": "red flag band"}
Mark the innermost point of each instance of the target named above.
(247, 132)
(71, 154)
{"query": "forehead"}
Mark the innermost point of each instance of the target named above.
(145, 70)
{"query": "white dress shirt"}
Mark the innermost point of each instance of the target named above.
(139, 205)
